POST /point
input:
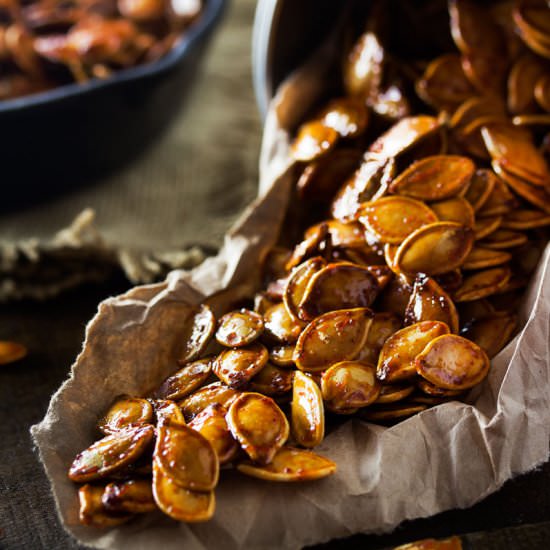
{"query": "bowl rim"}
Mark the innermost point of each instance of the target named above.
(211, 13)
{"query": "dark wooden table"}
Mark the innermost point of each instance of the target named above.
(53, 332)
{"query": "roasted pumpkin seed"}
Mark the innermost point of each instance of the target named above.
(236, 367)
(239, 328)
(126, 411)
(186, 380)
(134, 496)
(307, 411)
(482, 284)
(452, 362)
(92, 511)
(290, 464)
(259, 426)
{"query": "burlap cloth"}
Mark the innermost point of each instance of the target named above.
(168, 209)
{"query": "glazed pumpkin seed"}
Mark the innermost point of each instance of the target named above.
(186, 380)
(393, 393)
(537, 196)
(211, 424)
(486, 226)
(313, 140)
(429, 302)
(282, 356)
(338, 286)
(217, 392)
(369, 182)
(307, 411)
(347, 115)
(504, 238)
(481, 258)
(522, 80)
(542, 92)
(390, 251)
(450, 281)
(444, 85)
(383, 325)
(290, 464)
(111, 453)
(514, 150)
(179, 503)
(434, 178)
(475, 309)
(239, 328)
(262, 303)
(456, 210)
(133, 496)
(396, 360)
(272, 380)
(480, 188)
(186, 457)
(124, 412)
(92, 511)
(279, 326)
(332, 337)
(475, 108)
(533, 21)
(11, 352)
(393, 218)
(452, 362)
(391, 412)
(350, 385)
(434, 249)
(166, 410)
(435, 391)
(259, 426)
(322, 178)
(197, 333)
(310, 246)
(500, 201)
(297, 283)
(396, 296)
(487, 72)
(404, 135)
(492, 332)
(482, 284)
(343, 234)
(524, 220)
(235, 367)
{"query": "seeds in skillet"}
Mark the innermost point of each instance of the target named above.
(452, 362)
(111, 453)
(124, 412)
(197, 333)
(11, 351)
(211, 424)
(434, 249)
(186, 380)
(394, 218)
(259, 426)
(237, 366)
(93, 512)
(332, 337)
(179, 503)
(396, 360)
(291, 464)
(338, 286)
(434, 178)
(133, 496)
(308, 414)
(239, 328)
(350, 384)
(186, 457)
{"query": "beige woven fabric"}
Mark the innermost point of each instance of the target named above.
(187, 190)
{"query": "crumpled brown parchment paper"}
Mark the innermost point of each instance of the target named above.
(446, 457)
